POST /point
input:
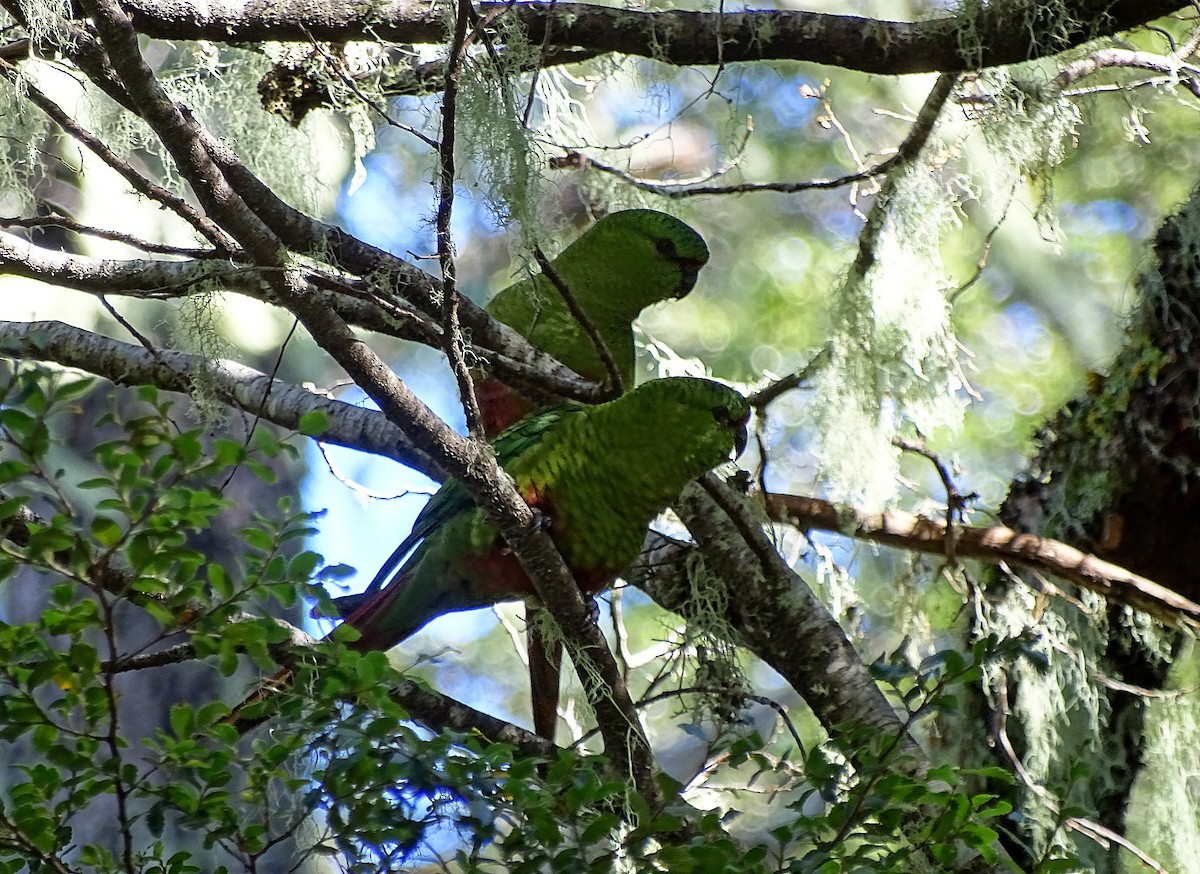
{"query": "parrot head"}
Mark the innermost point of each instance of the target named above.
(689, 265)
(709, 420)
(663, 237)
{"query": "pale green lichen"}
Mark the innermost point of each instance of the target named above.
(1169, 782)
(1028, 129)
(710, 637)
(23, 132)
(499, 153)
(1050, 25)
(218, 84)
(47, 23)
(199, 328)
(1057, 699)
(1073, 746)
(893, 352)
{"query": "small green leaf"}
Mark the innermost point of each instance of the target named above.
(106, 531)
(183, 720)
(314, 423)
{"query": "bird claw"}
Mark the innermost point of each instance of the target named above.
(541, 521)
(740, 481)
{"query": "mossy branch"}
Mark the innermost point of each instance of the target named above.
(852, 42)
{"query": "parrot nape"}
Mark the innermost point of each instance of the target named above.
(598, 474)
(624, 263)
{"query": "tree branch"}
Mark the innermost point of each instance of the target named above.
(541, 376)
(774, 612)
(470, 461)
(994, 545)
(140, 277)
(443, 712)
(241, 387)
(439, 712)
(869, 45)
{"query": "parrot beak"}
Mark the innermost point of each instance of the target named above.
(689, 272)
(741, 436)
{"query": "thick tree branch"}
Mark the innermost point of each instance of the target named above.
(351, 299)
(996, 35)
(443, 712)
(774, 611)
(141, 277)
(241, 387)
(993, 545)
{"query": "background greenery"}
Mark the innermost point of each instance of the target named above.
(1003, 274)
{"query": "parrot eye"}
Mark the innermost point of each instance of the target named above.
(667, 249)
(737, 423)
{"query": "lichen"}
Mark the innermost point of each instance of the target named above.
(893, 352)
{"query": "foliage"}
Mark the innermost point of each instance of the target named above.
(350, 775)
(937, 306)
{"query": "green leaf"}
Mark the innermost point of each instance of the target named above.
(314, 423)
(76, 388)
(106, 531)
(183, 720)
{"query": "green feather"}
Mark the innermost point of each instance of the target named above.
(600, 475)
(624, 263)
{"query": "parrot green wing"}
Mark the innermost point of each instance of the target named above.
(452, 499)
(600, 474)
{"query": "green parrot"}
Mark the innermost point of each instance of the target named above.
(598, 474)
(616, 268)
(624, 263)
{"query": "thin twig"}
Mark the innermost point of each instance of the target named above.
(908, 149)
(116, 765)
(537, 72)
(955, 501)
(577, 160)
(453, 344)
(768, 394)
(69, 224)
(779, 709)
(1105, 59)
(124, 323)
(585, 321)
(339, 70)
(258, 413)
(986, 248)
(1086, 827)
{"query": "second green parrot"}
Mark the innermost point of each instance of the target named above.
(597, 474)
(622, 264)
